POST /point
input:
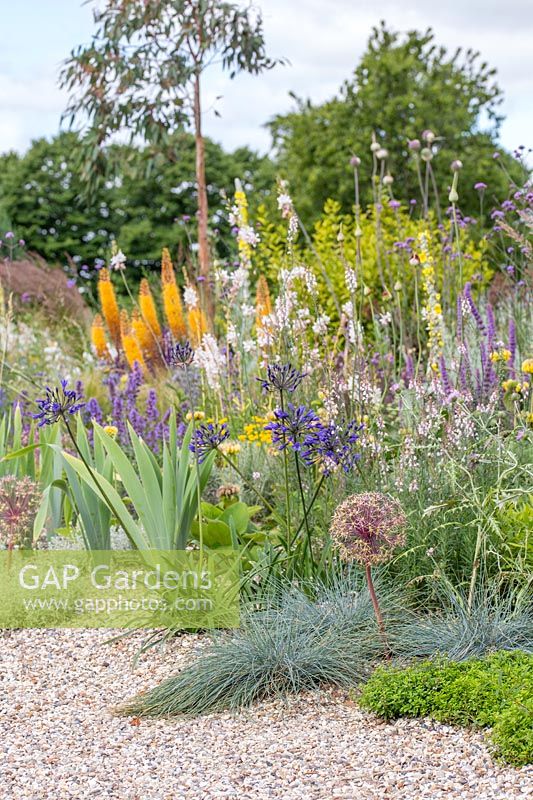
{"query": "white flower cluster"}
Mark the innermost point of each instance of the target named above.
(209, 358)
(190, 296)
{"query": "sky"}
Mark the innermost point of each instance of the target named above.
(322, 39)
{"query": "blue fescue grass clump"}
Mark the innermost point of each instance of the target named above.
(295, 643)
(495, 691)
(461, 630)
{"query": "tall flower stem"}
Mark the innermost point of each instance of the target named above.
(286, 475)
(89, 468)
(302, 496)
(458, 243)
(197, 460)
(311, 504)
(375, 603)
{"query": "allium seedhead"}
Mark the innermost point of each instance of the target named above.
(414, 145)
(367, 528)
(58, 402)
(19, 502)
(456, 165)
(282, 378)
(355, 161)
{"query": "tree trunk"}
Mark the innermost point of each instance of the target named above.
(203, 210)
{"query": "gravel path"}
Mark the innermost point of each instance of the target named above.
(58, 739)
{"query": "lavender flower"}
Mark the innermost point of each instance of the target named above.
(208, 437)
(473, 308)
(58, 402)
(281, 377)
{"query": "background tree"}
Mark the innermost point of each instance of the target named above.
(403, 85)
(142, 73)
(42, 197)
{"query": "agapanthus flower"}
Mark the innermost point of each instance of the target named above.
(332, 447)
(180, 355)
(58, 402)
(208, 437)
(281, 377)
(292, 426)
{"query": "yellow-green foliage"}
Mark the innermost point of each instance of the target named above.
(333, 247)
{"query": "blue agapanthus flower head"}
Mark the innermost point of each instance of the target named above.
(333, 446)
(208, 437)
(281, 378)
(291, 426)
(57, 403)
(180, 354)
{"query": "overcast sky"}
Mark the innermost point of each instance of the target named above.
(323, 39)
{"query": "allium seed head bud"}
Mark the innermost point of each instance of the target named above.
(388, 180)
(414, 145)
(429, 136)
(456, 165)
(355, 161)
(382, 153)
(367, 528)
(426, 154)
(375, 146)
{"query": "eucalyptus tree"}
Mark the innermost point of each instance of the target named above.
(142, 73)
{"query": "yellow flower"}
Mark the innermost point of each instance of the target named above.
(527, 366)
(506, 355)
(130, 345)
(198, 415)
(98, 338)
(148, 310)
(145, 337)
(172, 298)
(495, 357)
(230, 448)
(263, 304)
(109, 305)
(437, 308)
(111, 430)
(529, 418)
(197, 325)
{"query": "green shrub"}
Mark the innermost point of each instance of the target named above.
(489, 692)
(513, 730)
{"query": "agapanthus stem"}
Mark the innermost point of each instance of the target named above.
(311, 504)
(286, 475)
(302, 496)
(90, 469)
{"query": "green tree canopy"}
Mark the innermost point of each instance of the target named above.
(42, 193)
(403, 85)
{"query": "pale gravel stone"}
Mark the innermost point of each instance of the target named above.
(59, 740)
